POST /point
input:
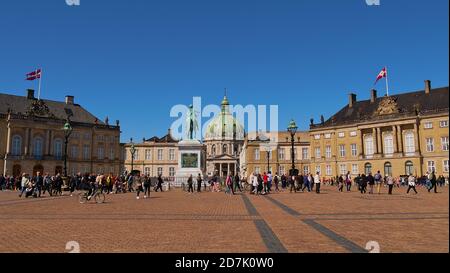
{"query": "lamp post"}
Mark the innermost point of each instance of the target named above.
(133, 152)
(67, 132)
(292, 129)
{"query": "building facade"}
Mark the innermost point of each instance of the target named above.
(397, 135)
(153, 157)
(32, 139)
(272, 152)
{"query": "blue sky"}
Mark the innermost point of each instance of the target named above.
(133, 60)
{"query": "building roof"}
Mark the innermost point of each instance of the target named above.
(390, 107)
(23, 105)
(165, 139)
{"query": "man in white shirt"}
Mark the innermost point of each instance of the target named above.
(411, 183)
(317, 182)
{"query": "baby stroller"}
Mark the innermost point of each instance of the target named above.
(31, 192)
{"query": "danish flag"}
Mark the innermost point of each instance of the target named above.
(34, 75)
(383, 74)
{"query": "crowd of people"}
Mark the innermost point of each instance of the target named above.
(258, 184)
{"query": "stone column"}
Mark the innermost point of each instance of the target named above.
(47, 142)
(235, 168)
(394, 138)
(375, 140)
(362, 143)
(379, 141)
(8, 141)
(228, 169)
(27, 142)
(416, 138)
(399, 139)
(220, 170)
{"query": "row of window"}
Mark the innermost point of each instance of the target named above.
(159, 171)
(225, 149)
(444, 144)
(148, 154)
(281, 154)
(429, 124)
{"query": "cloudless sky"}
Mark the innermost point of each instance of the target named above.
(133, 60)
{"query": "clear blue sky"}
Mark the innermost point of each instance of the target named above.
(133, 60)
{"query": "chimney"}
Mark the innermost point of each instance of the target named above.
(69, 100)
(351, 99)
(373, 95)
(427, 87)
(30, 94)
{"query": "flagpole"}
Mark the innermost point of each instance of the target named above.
(39, 88)
(387, 84)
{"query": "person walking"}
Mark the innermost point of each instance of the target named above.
(378, 181)
(306, 183)
(199, 183)
(292, 182)
(432, 178)
(229, 184)
(371, 182)
(237, 183)
(139, 188)
(159, 184)
(190, 182)
(390, 183)
(341, 183)
(147, 186)
(411, 184)
(276, 181)
(348, 181)
(254, 182)
(317, 182)
(39, 182)
(283, 182)
(23, 184)
(363, 183)
(260, 185)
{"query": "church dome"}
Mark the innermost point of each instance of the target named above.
(224, 125)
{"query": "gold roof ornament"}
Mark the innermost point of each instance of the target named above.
(387, 106)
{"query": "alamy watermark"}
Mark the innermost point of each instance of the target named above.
(373, 2)
(73, 2)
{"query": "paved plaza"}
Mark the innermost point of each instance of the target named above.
(175, 221)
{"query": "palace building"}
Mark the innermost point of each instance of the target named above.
(153, 157)
(398, 135)
(32, 138)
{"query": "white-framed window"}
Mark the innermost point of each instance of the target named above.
(317, 152)
(111, 153)
(428, 125)
(101, 153)
(281, 170)
(355, 169)
(367, 168)
(257, 170)
(171, 171)
(430, 144)
(388, 144)
(171, 154)
(16, 145)
(160, 171)
(317, 136)
(343, 168)
(444, 143)
(148, 154)
(257, 154)
(147, 171)
(86, 152)
(305, 153)
(213, 150)
(388, 169)
(328, 170)
(328, 151)
(342, 150)
(38, 147)
(431, 167)
(446, 169)
(368, 144)
(353, 133)
(410, 145)
(341, 134)
(58, 148)
(318, 169)
(443, 123)
(327, 135)
(74, 151)
(281, 154)
(160, 154)
(409, 168)
(295, 153)
(354, 149)
(305, 169)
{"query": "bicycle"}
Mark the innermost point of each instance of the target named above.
(98, 196)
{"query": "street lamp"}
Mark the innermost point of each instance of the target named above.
(133, 152)
(292, 129)
(67, 132)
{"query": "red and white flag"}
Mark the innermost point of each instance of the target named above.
(383, 74)
(34, 75)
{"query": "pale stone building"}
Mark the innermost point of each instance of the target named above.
(32, 139)
(397, 134)
(153, 157)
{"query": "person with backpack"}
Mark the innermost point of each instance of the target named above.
(371, 182)
(378, 181)
(363, 183)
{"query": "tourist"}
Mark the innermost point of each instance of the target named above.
(260, 186)
(378, 181)
(237, 183)
(229, 185)
(371, 182)
(199, 183)
(254, 183)
(72, 184)
(411, 184)
(348, 181)
(159, 184)
(363, 183)
(265, 179)
(432, 179)
(317, 182)
(139, 188)
(130, 183)
(390, 183)
(276, 181)
(292, 182)
(283, 182)
(190, 183)
(147, 186)
(300, 182)
(311, 181)
(23, 184)
(2, 182)
(341, 183)
(269, 182)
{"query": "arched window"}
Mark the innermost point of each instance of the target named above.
(388, 169)
(38, 147)
(409, 168)
(225, 149)
(410, 145)
(368, 144)
(58, 149)
(367, 168)
(16, 145)
(213, 150)
(388, 144)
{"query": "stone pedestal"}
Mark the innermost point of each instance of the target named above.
(190, 161)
